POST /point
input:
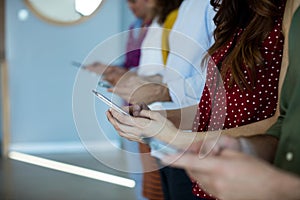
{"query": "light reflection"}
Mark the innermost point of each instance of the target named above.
(71, 169)
(86, 7)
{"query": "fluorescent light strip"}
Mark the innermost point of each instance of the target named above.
(71, 169)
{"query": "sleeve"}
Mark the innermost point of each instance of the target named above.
(189, 42)
(151, 62)
(168, 25)
(275, 129)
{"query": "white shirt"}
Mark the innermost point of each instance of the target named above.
(151, 62)
(191, 36)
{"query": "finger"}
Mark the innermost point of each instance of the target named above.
(144, 106)
(138, 122)
(127, 109)
(129, 136)
(150, 115)
(116, 125)
(130, 130)
(109, 70)
(112, 120)
(96, 64)
(108, 77)
(123, 119)
(136, 109)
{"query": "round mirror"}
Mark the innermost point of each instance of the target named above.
(63, 12)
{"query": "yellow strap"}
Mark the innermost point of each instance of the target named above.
(168, 25)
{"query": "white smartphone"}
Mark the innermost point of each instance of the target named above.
(109, 103)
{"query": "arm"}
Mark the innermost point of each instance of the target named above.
(102, 69)
(229, 172)
(154, 78)
(262, 146)
(114, 74)
(165, 130)
(135, 89)
(183, 119)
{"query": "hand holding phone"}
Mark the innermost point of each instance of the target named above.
(110, 103)
(158, 148)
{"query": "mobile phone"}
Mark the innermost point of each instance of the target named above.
(76, 64)
(110, 103)
(104, 84)
(159, 148)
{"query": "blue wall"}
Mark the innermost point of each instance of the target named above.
(41, 77)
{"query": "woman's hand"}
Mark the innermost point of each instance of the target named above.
(136, 109)
(146, 124)
(233, 175)
(96, 67)
(135, 89)
(113, 74)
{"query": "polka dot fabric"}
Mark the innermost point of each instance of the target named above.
(224, 106)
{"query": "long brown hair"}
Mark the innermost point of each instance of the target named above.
(164, 7)
(258, 16)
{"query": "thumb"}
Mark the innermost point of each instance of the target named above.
(136, 109)
(150, 115)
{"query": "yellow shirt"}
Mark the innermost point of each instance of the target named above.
(168, 25)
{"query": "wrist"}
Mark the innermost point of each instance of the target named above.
(162, 92)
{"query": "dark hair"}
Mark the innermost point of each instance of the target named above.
(164, 7)
(258, 16)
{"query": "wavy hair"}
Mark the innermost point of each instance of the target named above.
(257, 17)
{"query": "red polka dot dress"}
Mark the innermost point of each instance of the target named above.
(224, 105)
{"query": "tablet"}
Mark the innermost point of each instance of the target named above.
(109, 103)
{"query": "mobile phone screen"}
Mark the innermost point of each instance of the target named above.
(109, 103)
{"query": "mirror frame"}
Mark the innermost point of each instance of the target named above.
(57, 22)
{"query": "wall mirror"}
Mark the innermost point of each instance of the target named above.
(64, 12)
